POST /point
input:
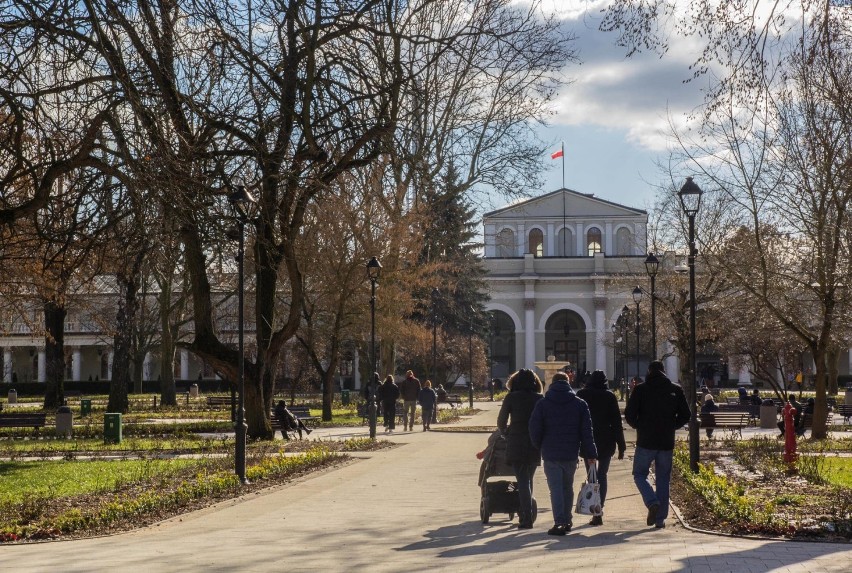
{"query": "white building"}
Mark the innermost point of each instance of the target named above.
(560, 269)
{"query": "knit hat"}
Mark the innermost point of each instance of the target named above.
(708, 397)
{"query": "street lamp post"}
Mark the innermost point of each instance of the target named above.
(690, 199)
(374, 270)
(624, 312)
(637, 298)
(242, 202)
(470, 357)
(652, 265)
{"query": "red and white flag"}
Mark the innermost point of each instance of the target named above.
(556, 154)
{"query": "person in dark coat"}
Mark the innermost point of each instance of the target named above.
(797, 417)
(708, 407)
(410, 389)
(389, 393)
(656, 408)
(559, 425)
(607, 429)
(513, 420)
(289, 421)
(428, 399)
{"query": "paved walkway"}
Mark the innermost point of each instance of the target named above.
(415, 508)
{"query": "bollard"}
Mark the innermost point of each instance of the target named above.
(790, 454)
(155, 401)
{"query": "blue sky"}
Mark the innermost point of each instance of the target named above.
(614, 117)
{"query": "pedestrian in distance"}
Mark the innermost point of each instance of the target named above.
(607, 429)
(560, 423)
(513, 420)
(708, 407)
(656, 408)
(389, 393)
(428, 400)
(410, 390)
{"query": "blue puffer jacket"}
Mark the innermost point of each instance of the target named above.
(559, 423)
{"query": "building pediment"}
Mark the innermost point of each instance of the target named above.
(564, 203)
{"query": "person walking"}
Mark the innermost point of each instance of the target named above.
(410, 390)
(559, 424)
(428, 399)
(513, 420)
(607, 429)
(656, 408)
(389, 395)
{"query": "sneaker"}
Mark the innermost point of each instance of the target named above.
(596, 520)
(652, 514)
(559, 530)
(660, 525)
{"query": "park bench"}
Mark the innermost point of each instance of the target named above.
(844, 410)
(732, 400)
(453, 400)
(304, 414)
(731, 421)
(219, 401)
(34, 420)
(753, 410)
(807, 423)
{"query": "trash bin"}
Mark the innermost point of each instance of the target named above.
(13, 396)
(85, 407)
(112, 428)
(193, 391)
(344, 397)
(847, 400)
(768, 415)
(64, 421)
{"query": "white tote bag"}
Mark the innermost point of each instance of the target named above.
(589, 497)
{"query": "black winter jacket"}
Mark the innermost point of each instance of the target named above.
(518, 406)
(606, 420)
(656, 408)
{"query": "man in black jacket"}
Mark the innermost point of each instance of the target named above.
(656, 408)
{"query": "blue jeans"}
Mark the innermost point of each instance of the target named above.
(602, 469)
(524, 475)
(662, 459)
(560, 481)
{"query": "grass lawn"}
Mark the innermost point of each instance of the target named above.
(838, 471)
(28, 480)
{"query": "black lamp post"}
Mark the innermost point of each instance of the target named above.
(374, 271)
(652, 265)
(637, 298)
(243, 203)
(690, 199)
(626, 325)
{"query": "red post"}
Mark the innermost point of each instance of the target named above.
(790, 454)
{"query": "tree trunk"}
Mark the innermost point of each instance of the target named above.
(327, 393)
(832, 359)
(257, 413)
(820, 427)
(122, 343)
(167, 350)
(54, 352)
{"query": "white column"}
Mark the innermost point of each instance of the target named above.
(146, 367)
(521, 240)
(110, 358)
(609, 244)
(600, 335)
(7, 365)
(672, 362)
(582, 251)
(549, 250)
(529, 333)
(184, 364)
(76, 362)
(744, 374)
(356, 370)
(42, 365)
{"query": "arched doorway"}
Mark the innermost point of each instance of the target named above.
(501, 346)
(565, 338)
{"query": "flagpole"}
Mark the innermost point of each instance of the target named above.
(563, 164)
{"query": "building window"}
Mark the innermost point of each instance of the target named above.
(536, 243)
(564, 243)
(623, 242)
(506, 243)
(593, 241)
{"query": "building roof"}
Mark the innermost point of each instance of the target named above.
(564, 202)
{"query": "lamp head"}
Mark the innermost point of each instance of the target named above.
(637, 295)
(374, 269)
(690, 197)
(243, 202)
(652, 265)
